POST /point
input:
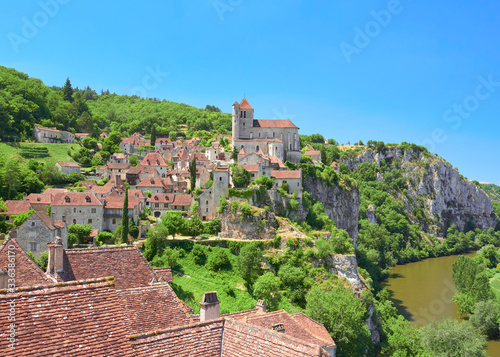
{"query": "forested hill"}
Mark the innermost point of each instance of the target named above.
(492, 190)
(26, 101)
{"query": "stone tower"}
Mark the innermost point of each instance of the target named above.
(242, 120)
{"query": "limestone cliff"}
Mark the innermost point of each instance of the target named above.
(446, 197)
(341, 205)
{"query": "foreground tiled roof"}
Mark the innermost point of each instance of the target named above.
(245, 340)
(164, 274)
(126, 264)
(285, 174)
(27, 273)
(194, 340)
(274, 123)
(151, 308)
(16, 207)
(73, 319)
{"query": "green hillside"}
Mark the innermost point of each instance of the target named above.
(492, 190)
(23, 152)
(26, 101)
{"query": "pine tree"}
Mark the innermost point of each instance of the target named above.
(68, 91)
(125, 218)
(192, 171)
(153, 134)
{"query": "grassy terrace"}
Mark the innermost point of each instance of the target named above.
(57, 152)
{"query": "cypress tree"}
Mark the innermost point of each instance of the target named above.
(192, 171)
(68, 91)
(153, 134)
(125, 218)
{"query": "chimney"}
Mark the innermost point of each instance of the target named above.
(3, 279)
(55, 264)
(209, 306)
(261, 306)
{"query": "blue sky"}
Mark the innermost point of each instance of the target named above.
(415, 71)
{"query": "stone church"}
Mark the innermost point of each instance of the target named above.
(276, 137)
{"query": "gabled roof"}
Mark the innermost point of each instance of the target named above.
(251, 168)
(116, 202)
(285, 174)
(151, 182)
(173, 199)
(53, 191)
(150, 308)
(116, 182)
(200, 340)
(312, 153)
(117, 166)
(68, 164)
(153, 159)
(119, 155)
(244, 104)
(27, 272)
(72, 319)
(274, 123)
(164, 274)
(16, 207)
(126, 264)
(40, 198)
(88, 184)
(236, 103)
(76, 199)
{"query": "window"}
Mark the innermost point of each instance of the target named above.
(93, 210)
(74, 221)
(67, 199)
(89, 221)
(64, 218)
(220, 178)
(206, 209)
(241, 114)
(245, 114)
(33, 224)
(87, 199)
(206, 202)
(33, 247)
(74, 210)
(114, 220)
(257, 148)
(274, 134)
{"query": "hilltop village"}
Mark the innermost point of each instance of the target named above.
(116, 302)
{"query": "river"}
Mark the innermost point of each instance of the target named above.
(423, 292)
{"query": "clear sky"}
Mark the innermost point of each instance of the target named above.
(417, 71)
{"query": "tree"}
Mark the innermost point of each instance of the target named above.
(240, 176)
(452, 338)
(267, 288)
(68, 91)
(489, 254)
(250, 264)
(343, 314)
(133, 160)
(192, 173)
(485, 317)
(153, 134)
(294, 281)
(133, 229)
(173, 222)
(218, 260)
(234, 154)
(195, 225)
(125, 218)
(78, 233)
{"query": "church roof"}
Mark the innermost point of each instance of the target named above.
(236, 103)
(244, 104)
(274, 123)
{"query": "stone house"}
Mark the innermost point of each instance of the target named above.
(78, 208)
(152, 184)
(336, 167)
(38, 230)
(112, 169)
(67, 137)
(156, 160)
(160, 203)
(47, 135)
(68, 167)
(119, 158)
(292, 177)
(39, 201)
(81, 136)
(113, 211)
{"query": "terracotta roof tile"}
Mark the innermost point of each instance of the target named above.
(116, 202)
(244, 104)
(274, 123)
(151, 182)
(126, 264)
(153, 159)
(27, 272)
(285, 174)
(251, 168)
(75, 199)
(88, 184)
(53, 191)
(40, 198)
(163, 274)
(152, 308)
(117, 166)
(16, 207)
(75, 319)
(68, 164)
(312, 153)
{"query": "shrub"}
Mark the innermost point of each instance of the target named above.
(199, 256)
(246, 210)
(218, 260)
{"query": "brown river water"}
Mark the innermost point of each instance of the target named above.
(423, 292)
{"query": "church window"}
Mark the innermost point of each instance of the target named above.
(245, 114)
(241, 114)
(257, 148)
(274, 134)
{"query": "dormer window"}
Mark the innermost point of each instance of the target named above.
(156, 198)
(148, 162)
(87, 199)
(158, 162)
(152, 181)
(67, 199)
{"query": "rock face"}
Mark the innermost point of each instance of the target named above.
(341, 205)
(237, 226)
(446, 195)
(346, 267)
